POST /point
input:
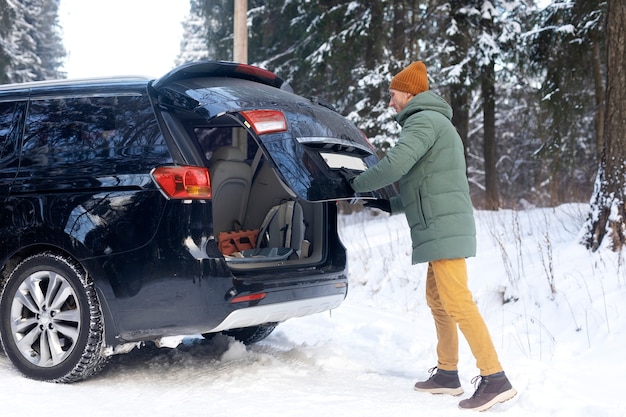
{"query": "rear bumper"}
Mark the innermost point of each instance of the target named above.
(275, 313)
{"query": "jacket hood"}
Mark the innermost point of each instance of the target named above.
(425, 101)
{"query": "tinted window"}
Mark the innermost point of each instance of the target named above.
(7, 140)
(212, 138)
(95, 129)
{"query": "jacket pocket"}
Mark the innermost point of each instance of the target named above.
(420, 209)
(413, 209)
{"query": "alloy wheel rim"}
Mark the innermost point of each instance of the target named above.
(45, 318)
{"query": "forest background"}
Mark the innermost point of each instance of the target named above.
(525, 79)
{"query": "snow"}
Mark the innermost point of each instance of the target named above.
(561, 349)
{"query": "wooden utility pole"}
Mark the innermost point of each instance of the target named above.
(240, 49)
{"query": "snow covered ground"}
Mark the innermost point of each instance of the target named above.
(561, 338)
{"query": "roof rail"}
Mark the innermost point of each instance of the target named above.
(74, 81)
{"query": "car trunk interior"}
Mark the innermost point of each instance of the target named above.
(245, 188)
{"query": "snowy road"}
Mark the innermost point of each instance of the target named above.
(562, 352)
(357, 362)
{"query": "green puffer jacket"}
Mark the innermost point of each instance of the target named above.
(429, 163)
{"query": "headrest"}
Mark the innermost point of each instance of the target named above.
(227, 153)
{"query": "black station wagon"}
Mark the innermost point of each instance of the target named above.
(115, 196)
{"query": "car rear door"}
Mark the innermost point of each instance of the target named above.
(315, 146)
(307, 142)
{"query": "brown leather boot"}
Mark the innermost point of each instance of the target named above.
(441, 382)
(492, 389)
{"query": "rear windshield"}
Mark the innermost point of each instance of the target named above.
(234, 93)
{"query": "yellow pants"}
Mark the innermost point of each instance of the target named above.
(452, 304)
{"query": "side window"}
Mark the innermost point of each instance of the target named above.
(7, 139)
(94, 129)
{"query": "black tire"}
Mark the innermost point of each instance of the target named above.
(252, 334)
(51, 325)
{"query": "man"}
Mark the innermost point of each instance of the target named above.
(429, 163)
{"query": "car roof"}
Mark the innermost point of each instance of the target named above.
(67, 87)
(199, 69)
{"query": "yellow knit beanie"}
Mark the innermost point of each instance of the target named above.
(413, 79)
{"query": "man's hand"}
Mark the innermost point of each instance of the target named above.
(347, 174)
(380, 204)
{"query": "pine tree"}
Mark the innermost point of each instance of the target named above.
(30, 45)
(473, 41)
(195, 38)
(6, 18)
(523, 110)
(207, 31)
(565, 46)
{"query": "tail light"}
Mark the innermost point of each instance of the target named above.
(249, 297)
(261, 73)
(183, 182)
(266, 121)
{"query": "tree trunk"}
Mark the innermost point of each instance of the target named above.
(599, 87)
(492, 199)
(459, 101)
(399, 38)
(608, 215)
(459, 91)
